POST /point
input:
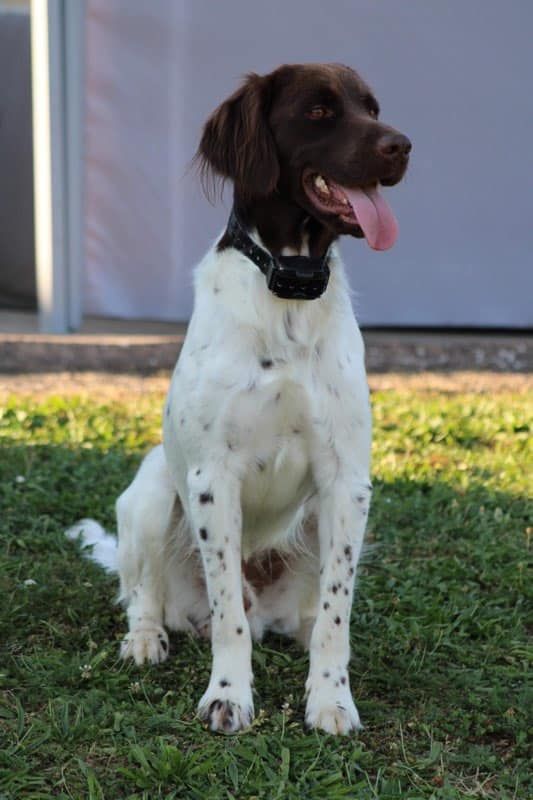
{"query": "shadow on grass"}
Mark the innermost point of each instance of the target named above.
(438, 641)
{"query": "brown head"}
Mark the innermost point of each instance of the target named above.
(306, 152)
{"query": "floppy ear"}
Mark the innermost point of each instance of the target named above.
(237, 143)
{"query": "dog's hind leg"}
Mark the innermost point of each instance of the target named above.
(144, 515)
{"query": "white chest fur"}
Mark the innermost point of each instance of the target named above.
(271, 389)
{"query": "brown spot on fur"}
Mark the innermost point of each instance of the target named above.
(246, 600)
(264, 570)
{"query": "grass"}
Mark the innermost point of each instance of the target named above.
(439, 666)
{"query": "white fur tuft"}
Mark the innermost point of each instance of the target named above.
(90, 533)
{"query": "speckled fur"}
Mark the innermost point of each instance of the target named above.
(266, 444)
(251, 515)
(266, 453)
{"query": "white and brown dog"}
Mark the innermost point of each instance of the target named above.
(251, 515)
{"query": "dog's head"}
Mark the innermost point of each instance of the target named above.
(310, 133)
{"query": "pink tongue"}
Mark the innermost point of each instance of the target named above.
(375, 217)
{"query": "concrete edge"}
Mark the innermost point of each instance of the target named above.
(385, 352)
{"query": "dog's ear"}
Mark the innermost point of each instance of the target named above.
(237, 142)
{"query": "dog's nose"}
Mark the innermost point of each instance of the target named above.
(393, 145)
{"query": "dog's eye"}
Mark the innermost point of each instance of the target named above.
(371, 106)
(319, 112)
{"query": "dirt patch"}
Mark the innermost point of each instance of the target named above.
(103, 386)
(460, 382)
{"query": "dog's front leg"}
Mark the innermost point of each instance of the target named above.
(343, 512)
(214, 502)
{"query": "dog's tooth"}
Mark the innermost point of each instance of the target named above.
(321, 184)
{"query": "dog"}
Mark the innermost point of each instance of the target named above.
(251, 514)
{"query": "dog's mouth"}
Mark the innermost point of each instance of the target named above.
(362, 209)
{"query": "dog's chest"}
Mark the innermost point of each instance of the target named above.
(275, 427)
(268, 426)
(264, 424)
(267, 391)
(256, 415)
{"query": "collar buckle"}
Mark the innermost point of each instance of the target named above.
(292, 277)
(288, 277)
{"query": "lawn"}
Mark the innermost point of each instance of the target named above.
(439, 664)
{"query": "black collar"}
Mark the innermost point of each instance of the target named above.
(289, 277)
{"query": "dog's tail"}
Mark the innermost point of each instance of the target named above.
(103, 545)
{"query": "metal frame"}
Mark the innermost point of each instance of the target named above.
(57, 85)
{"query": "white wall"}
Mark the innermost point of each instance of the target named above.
(453, 75)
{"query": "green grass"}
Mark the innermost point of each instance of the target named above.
(438, 635)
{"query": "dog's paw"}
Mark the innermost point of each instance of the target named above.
(332, 711)
(226, 710)
(143, 645)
